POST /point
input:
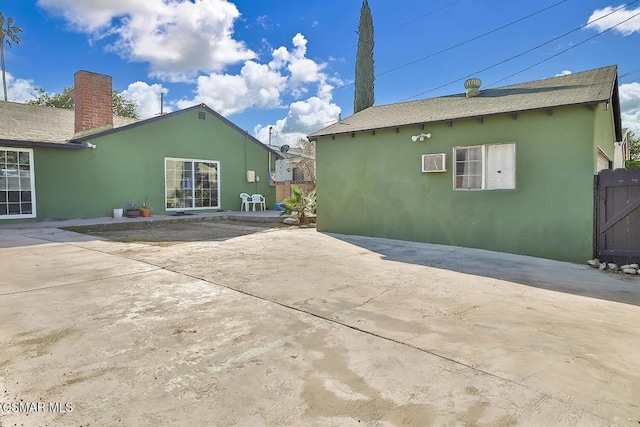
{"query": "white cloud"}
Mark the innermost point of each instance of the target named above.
(564, 73)
(177, 38)
(278, 138)
(93, 15)
(265, 22)
(147, 98)
(303, 118)
(630, 106)
(19, 90)
(262, 86)
(303, 70)
(257, 85)
(631, 121)
(628, 28)
(193, 41)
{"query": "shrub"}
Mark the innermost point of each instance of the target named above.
(300, 205)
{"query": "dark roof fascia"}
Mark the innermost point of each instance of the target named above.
(477, 116)
(35, 144)
(175, 113)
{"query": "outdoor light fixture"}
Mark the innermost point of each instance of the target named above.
(421, 137)
(90, 145)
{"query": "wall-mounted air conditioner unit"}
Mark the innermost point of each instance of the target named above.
(434, 162)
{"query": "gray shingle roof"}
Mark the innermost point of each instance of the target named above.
(585, 87)
(32, 123)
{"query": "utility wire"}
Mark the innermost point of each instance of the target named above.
(629, 73)
(382, 34)
(390, 30)
(530, 50)
(453, 47)
(472, 39)
(513, 57)
(433, 12)
(285, 131)
(566, 50)
(436, 53)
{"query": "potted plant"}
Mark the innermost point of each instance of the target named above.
(132, 210)
(145, 210)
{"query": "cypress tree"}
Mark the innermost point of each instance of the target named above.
(364, 96)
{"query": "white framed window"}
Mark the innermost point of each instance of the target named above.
(485, 167)
(434, 162)
(17, 183)
(191, 184)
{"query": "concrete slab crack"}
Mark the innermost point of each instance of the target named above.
(372, 298)
(79, 282)
(328, 320)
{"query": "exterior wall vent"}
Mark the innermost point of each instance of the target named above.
(202, 115)
(472, 87)
(434, 162)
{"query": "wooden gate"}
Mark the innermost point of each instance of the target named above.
(283, 189)
(617, 216)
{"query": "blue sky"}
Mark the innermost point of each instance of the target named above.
(290, 64)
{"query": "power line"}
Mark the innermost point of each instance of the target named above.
(438, 52)
(433, 12)
(510, 58)
(528, 51)
(472, 39)
(454, 46)
(305, 127)
(567, 49)
(629, 73)
(390, 30)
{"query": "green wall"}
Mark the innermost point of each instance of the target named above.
(372, 185)
(129, 165)
(604, 132)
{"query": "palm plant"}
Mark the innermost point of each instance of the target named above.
(8, 34)
(300, 205)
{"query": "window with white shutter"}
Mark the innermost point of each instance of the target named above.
(485, 167)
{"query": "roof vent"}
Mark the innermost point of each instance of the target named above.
(473, 87)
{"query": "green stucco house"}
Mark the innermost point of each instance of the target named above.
(509, 169)
(60, 164)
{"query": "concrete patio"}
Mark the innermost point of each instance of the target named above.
(295, 327)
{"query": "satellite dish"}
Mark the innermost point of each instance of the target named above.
(284, 148)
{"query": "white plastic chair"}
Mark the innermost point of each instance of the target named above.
(246, 201)
(258, 199)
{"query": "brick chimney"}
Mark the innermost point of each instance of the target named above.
(92, 96)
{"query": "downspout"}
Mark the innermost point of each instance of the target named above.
(270, 127)
(246, 136)
(270, 183)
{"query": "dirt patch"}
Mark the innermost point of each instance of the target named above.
(172, 232)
